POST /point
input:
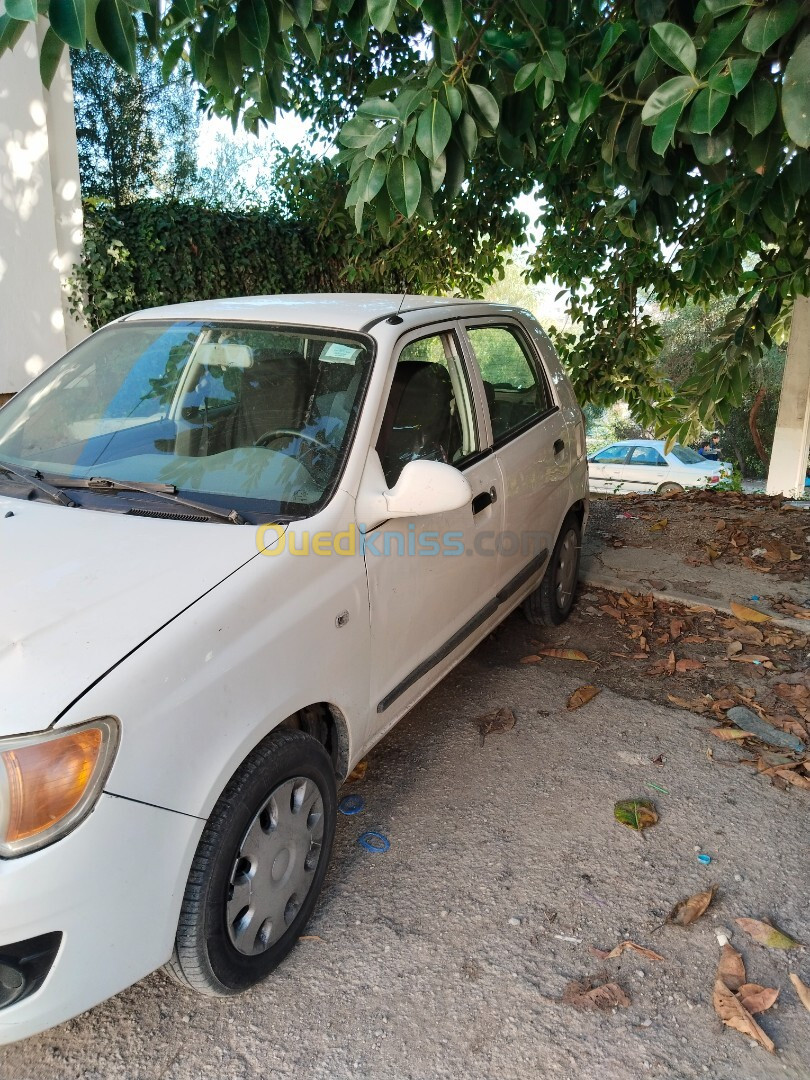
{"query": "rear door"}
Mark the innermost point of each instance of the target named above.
(646, 469)
(531, 442)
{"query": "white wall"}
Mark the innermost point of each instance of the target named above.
(40, 214)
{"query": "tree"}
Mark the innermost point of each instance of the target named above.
(667, 140)
(135, 134)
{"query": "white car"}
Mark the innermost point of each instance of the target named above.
(644, 466)
(240, 539)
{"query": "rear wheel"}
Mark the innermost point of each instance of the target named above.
(258, 868)
(669, 488)
(551, 602)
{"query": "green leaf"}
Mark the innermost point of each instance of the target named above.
(376, 178)
(24, 10)
(468, 135)
(69, 20)
(443, 15)
(50, 54)
(404, 184)
(433, 130)
(553, 65)
(183, 8)
(768, 24)
(173, 54)
(708, 109)
(711, 149)
(357, 132)
(720, 40)
(636, 814)
(454, 101)
(254, 22)
(796, 94)
(580, 110)
(116, 30)
(384, 137)
(741, 71)
(672, 43)
(569, 138)
(664, 131)
(756, 107)
(526, 76)
(612, 35)
(381, 12)
(379, 108)
(11, 30)
(675, 91)
(486, 104)
(438, 169)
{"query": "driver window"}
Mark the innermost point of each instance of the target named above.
(429, 413)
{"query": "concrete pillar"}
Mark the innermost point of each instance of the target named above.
(791, 442)
(40, 213)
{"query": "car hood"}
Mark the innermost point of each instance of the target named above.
(80, 589)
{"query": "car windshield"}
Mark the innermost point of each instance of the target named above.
(254, 418)
(687, 456)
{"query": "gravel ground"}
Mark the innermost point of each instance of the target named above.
(447, 956)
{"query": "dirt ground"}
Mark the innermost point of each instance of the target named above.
(449, 955)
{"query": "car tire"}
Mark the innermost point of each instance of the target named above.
(258, 868)
(551, 602)
(669, 488)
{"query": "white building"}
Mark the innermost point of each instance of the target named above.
(40, 214)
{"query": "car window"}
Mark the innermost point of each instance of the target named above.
(256, 418)
(611, 455)
(429, 411)
(516, 390)
(687, 456)
(646, 455)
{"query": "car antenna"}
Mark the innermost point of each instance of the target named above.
(397, 318)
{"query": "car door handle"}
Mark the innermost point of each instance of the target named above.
(559, 446)
(484, 499)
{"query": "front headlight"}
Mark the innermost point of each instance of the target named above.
(49, 781)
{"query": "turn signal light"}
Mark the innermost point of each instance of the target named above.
(50, 781)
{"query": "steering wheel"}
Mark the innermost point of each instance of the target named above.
(269, 436)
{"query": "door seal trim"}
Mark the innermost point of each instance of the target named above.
(452, 643)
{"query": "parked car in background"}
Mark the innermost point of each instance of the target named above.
(241, 539)
(643, 466)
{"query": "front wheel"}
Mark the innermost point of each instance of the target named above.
(669, 488)
(258, 868)
(551, 602)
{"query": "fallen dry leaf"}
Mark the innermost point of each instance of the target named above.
(566, 654)
(358, 772)
(689, 910)
(730, 968)
(728, 733)
(663, 667)
(620, 948)
(660, 525)
(755, 998)
(801, 989)
(584, 995)
(688, 665)
(766, 934)
(495, 723)
(675, 628)
(748, 614)
(533, 659)
(310, 937)
(796, 779)
(581, 696)
(733, 648)
(732, 1013)
(636, 814)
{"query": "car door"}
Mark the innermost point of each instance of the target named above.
(431, 579)
(606, 469)
(646, 470)
(530, 438)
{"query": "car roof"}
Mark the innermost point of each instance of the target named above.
(657, 443)
(346, 311)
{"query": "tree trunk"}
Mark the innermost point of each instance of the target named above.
(762, 453)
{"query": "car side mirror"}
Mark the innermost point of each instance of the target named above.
(424, 487)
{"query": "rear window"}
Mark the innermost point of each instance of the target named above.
(687, 456)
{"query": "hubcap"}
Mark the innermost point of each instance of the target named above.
(566, 576)
(274, 866)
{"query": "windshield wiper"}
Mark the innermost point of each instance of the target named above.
(34, 479)
(102, 485)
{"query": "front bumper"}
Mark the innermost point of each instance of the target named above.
(113, 889)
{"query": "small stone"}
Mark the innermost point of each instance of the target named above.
(444, 913)
(639, 974)
(514, 921)
(738, 877)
